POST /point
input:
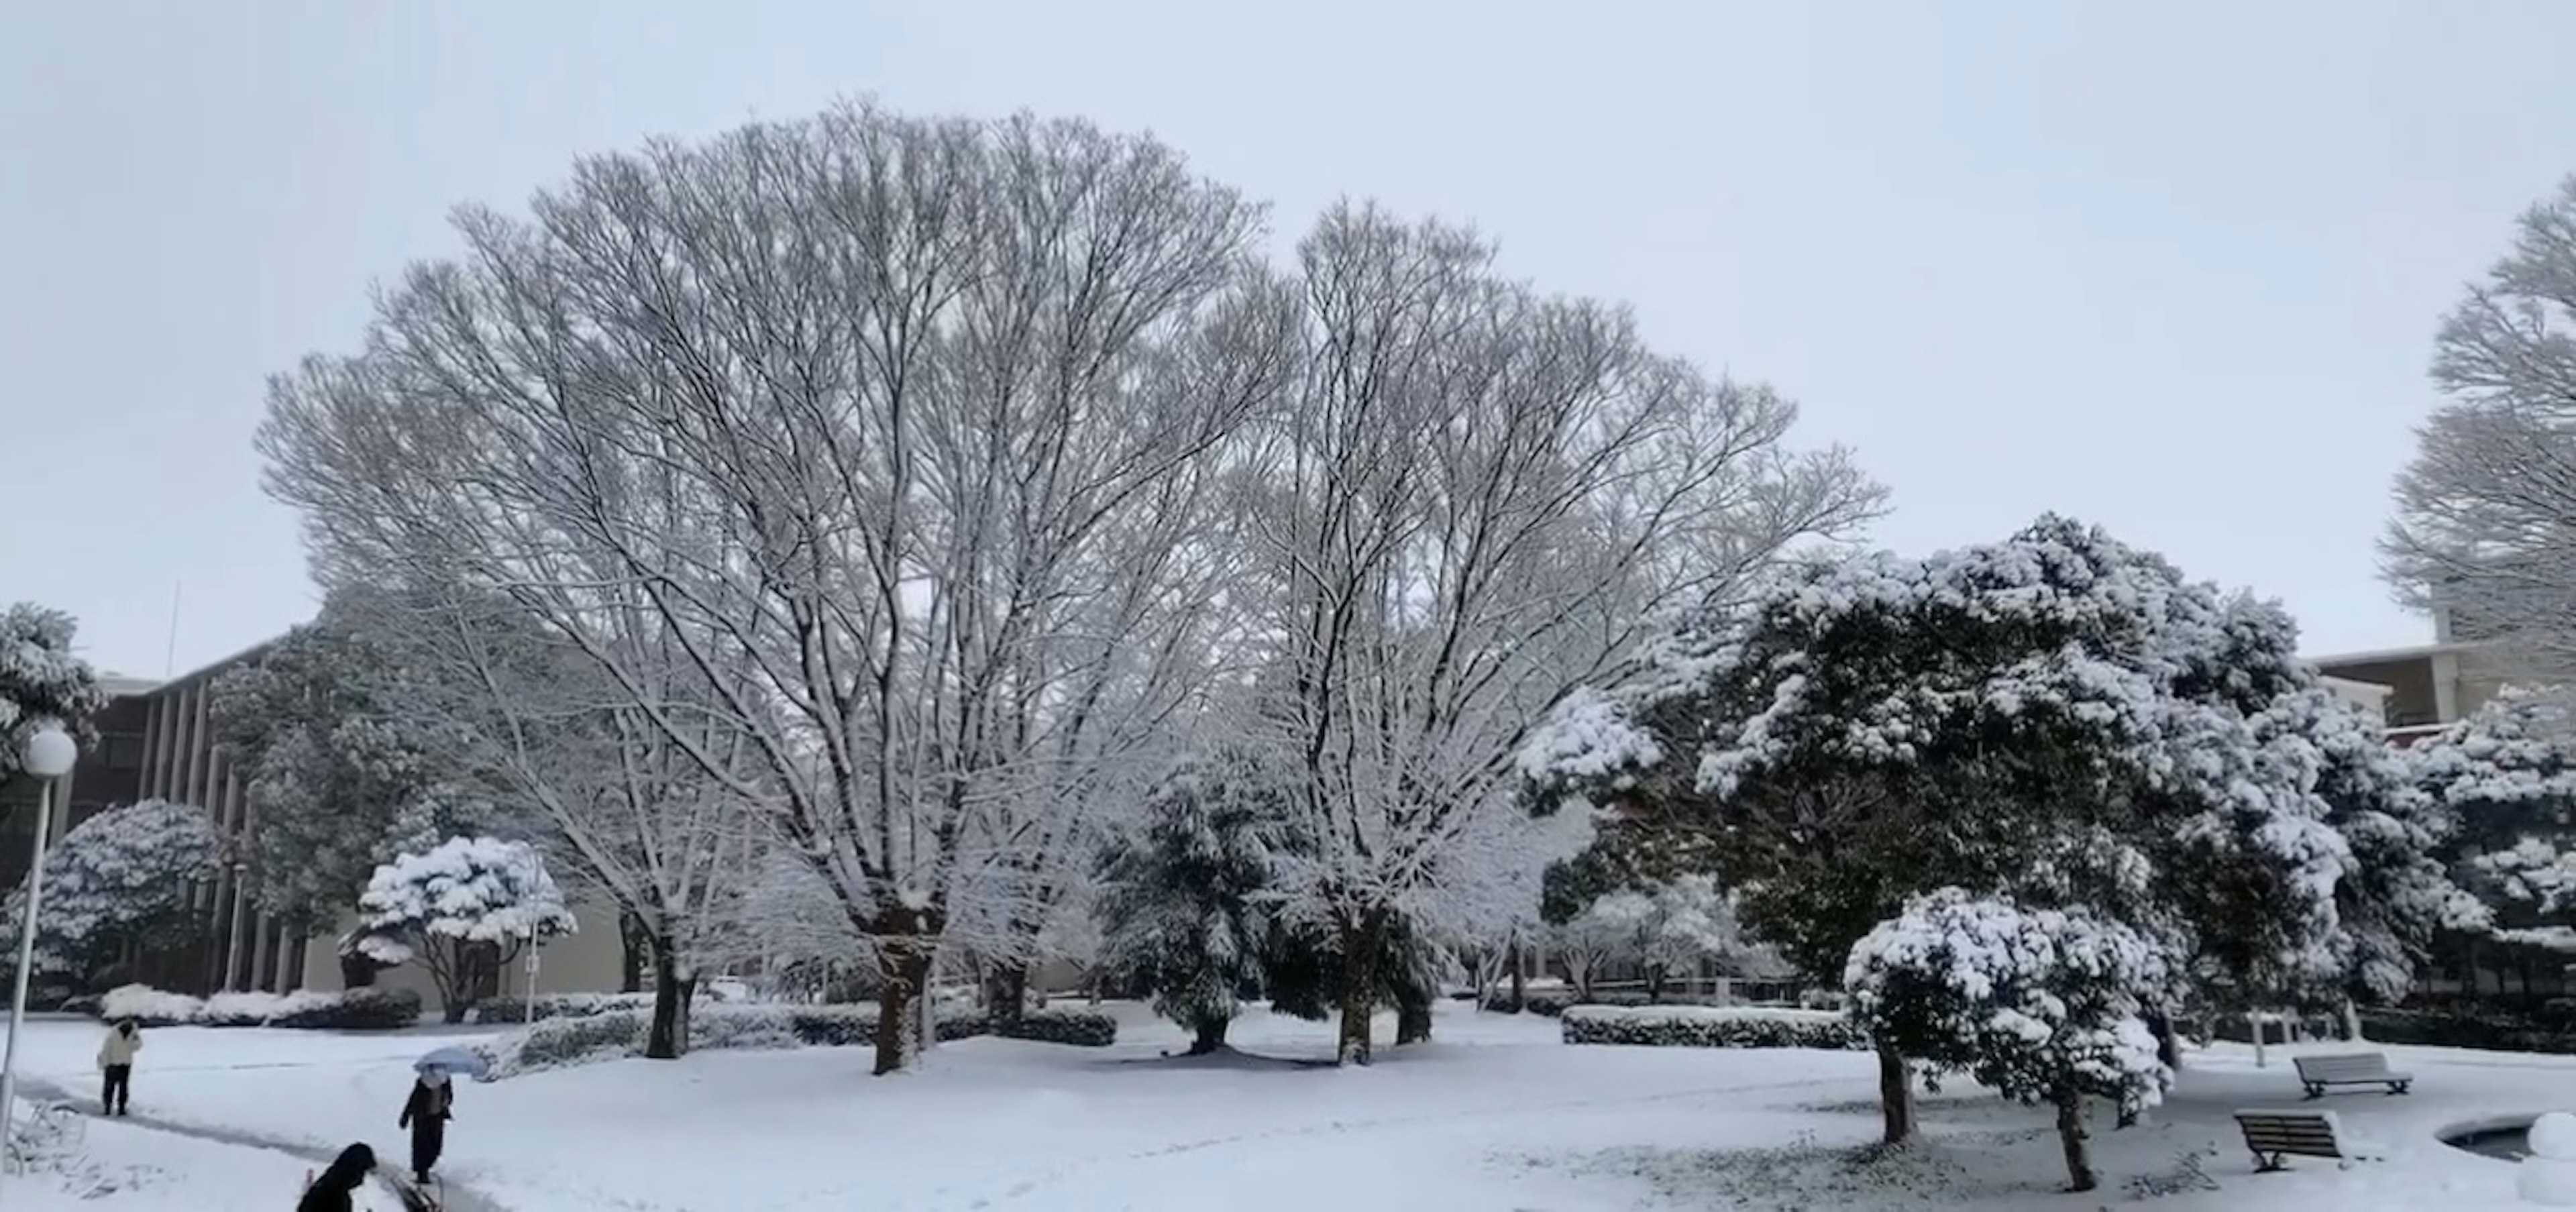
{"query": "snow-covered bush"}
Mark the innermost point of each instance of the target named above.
(1711, 1027)
(463, 910)
(115, 884)
(352, 1010)
(615, 1034)
(579, 1005)
(2040, 1004)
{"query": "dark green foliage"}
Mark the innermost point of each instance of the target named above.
(1712, 1029)
(1182, 906)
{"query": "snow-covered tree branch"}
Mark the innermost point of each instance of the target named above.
(2485, 527)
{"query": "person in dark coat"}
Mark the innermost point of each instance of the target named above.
(333, 1191)
(426, 1112)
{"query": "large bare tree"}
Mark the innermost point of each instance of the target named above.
(1481, 498)
(869, 413)
(2486, 513)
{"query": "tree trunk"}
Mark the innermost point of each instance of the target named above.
(1895, 1097)
(2168, 1049)
(1359, 987)
(632, 941)
(669, 1037)
(2351, 1021)
(905, 969)
(1209, 1036)
(1006, 992)
(1654, 986)
(1520, 977)
(2076, 1136)
(1412, 1021)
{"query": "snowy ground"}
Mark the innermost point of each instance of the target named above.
(1497, 1117)
(126, 1168)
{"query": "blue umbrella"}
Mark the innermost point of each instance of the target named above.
(452, 1059)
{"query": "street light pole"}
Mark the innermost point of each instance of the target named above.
(50, 755)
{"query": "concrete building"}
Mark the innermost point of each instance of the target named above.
(2428, 686)
(157, 741)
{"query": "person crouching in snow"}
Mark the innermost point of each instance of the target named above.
(432, 1104)
(334, 1191)
(116, 1062)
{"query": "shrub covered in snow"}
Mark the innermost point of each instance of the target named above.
(353, 1010)
(1711, 1027)
(462, 909)
(616, 1033)
(578, 1005)
(116, 882)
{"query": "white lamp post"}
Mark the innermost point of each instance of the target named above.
(50, 755)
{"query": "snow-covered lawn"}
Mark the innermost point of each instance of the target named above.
(126, 1168)
(1496, 1117)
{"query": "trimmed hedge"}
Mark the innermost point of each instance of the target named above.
(353, 1010)
(617, 1033)
(2485, 1032)
(1711, 1027)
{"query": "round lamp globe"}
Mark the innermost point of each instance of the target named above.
(50, 753)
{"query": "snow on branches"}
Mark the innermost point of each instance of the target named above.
(2040, 1004)
(461, 909)
(2058, 716)
(1185, 904)
(41, 682)
(2508, 773)
(115, 881)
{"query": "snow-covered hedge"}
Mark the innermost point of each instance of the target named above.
(354, 1010)
(613, 1034)
(1710, 1027)
(584, 1005)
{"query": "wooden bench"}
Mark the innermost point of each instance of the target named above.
(2274, 1135)
(2350, 1069)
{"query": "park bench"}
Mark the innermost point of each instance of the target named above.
(2274, 1135)
(2350, 1069)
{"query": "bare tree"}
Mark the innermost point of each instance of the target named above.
(1481, 497)
(2486, 513)
(609, 790)
(853, 406)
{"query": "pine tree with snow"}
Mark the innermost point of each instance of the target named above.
(2041, 1005)
(463, 910)
(1183, 904)
(41, 683)
(2059, 718)
(115, 885)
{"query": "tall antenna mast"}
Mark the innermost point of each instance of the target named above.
(170, 655)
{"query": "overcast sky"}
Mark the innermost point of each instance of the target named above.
(2172, 268)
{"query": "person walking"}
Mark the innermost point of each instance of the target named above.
(426, 1112)
(116, 1063)
(334, 1191)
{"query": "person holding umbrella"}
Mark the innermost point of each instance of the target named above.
(431, 1105)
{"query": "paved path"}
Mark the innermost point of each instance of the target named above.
(454, 1198)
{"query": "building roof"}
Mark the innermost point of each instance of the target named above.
(2385, 655)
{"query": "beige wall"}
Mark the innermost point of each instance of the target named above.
(591, 960)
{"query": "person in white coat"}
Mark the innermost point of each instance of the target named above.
(116, 1061)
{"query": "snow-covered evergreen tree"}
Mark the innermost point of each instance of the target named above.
(463, 909)
(41, 682)
(337, 784)
(2508, 773)
(1184, 903)
(2059, 718)
(117, 882)
(2041, 1005)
